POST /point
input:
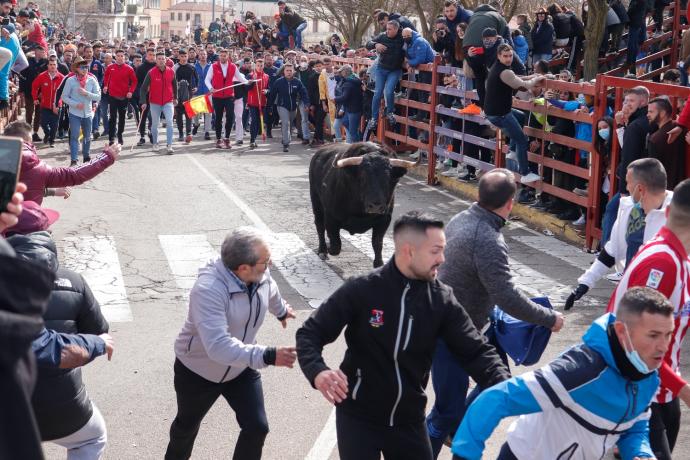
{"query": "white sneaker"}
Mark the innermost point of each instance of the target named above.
(440, 164)
(529, 178)
(154, 147)
(415, 155)
(511, 155)
(580, 221)
(615, 277)
(170, 150)
(451, 172)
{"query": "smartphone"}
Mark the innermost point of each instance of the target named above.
(10, 162)
(478, 50)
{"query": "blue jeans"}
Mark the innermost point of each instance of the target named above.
(101, 114)
(77, 124)
(610, 214)
(541, 57)
(337, 124)
(636, 35)
(451, 382)
(353, 134)
(385, 85)
(513, 129)
(298, 34)
(156, 111)
(49, 123)
(304, 118)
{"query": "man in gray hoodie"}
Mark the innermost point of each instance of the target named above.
(216, 350)
(477, 269)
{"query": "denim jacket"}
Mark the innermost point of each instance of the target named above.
(71, 96)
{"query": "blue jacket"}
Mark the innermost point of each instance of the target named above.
(579, 405)
(13, 45)
(284, 92)
(47, 347)
(419, 51)
(201, 78)
(521, 48)
(462, 16)
(352, 95)
(542, 38)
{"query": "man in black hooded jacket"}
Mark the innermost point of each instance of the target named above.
(392, 319)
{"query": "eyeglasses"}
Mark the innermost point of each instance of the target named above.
(83, 67)
(267, 263)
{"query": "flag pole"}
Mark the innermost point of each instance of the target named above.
(261, 115)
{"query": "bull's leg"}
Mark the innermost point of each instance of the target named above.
(333, 231)
(377, 234)
(319, 221)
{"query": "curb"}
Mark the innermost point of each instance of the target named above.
(539, 221)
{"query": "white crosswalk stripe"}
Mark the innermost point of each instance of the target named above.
(185, 255)
(95, 257)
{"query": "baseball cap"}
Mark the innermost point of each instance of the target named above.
(33, 218)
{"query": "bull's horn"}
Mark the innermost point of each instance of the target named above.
(396, 162)
(352, 161)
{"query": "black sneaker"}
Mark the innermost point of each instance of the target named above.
(96, 135)
(240, 142)
(35, 137)
(52, 144)
(468, 177)
(129, 115)
(141, 142)
(180, 138)
(252, 145)
(87, 159)
(305, 141)
(195, 128)
(207, 136)
(119, 139)
(73, 163)
(285, 148)
(45, 139)
(391, 119)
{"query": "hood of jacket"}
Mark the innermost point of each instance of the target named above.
(596, 338)
(37, 247)
(484, 8)
(29, 157)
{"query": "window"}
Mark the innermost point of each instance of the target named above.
(172, 16)
(315, 26)
(331, 28)
(179, 16)
(188, 16)
(197, 19)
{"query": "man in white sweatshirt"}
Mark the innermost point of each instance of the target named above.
(640, 216)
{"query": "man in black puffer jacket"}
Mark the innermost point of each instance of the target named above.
(392, 318)
(62, 407)
(388, 69)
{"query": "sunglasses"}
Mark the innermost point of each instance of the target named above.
(83, 67)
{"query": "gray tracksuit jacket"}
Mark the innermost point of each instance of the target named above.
(217, 340)
(476, 267)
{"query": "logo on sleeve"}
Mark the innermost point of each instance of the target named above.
(376, 319)
(654, 279)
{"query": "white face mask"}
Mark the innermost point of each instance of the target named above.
(303, 65)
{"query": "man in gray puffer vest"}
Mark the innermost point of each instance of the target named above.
(477, 269)
(64, 413)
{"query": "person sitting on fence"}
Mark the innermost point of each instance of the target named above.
(498, 106)
(418, 52)
(542, 37)
(389, 48)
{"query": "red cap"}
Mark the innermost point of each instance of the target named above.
(34, 218)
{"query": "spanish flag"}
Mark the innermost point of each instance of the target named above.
(197, 105)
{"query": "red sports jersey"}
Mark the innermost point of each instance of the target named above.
(662, 264)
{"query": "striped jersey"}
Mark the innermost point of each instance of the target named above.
(662, 264)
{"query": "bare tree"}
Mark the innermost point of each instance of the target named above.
(594, 33)
(87, 12)
(352, 18)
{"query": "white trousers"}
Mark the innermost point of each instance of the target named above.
(239, 109)
(88, 442)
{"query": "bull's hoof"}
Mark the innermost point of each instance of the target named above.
(334, 250)
(378, 263)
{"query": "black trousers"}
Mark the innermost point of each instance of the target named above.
(196, 395)
(146, 113)
(118, 110)
(362, 440)
(480, 74)
(224, 105)
(319, 117)
(664, 425)
(179, 113)
(254, 123)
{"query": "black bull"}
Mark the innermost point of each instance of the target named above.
(352, 188)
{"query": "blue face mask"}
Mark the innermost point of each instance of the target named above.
(634, 357)
(604, 133)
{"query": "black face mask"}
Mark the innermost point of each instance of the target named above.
(407, 40)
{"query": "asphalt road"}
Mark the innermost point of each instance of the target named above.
(139, 232)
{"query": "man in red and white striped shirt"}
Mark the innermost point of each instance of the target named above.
(662, 264)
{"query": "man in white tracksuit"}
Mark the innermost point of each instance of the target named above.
(640, 216)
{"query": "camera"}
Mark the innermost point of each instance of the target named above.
(441, 33)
